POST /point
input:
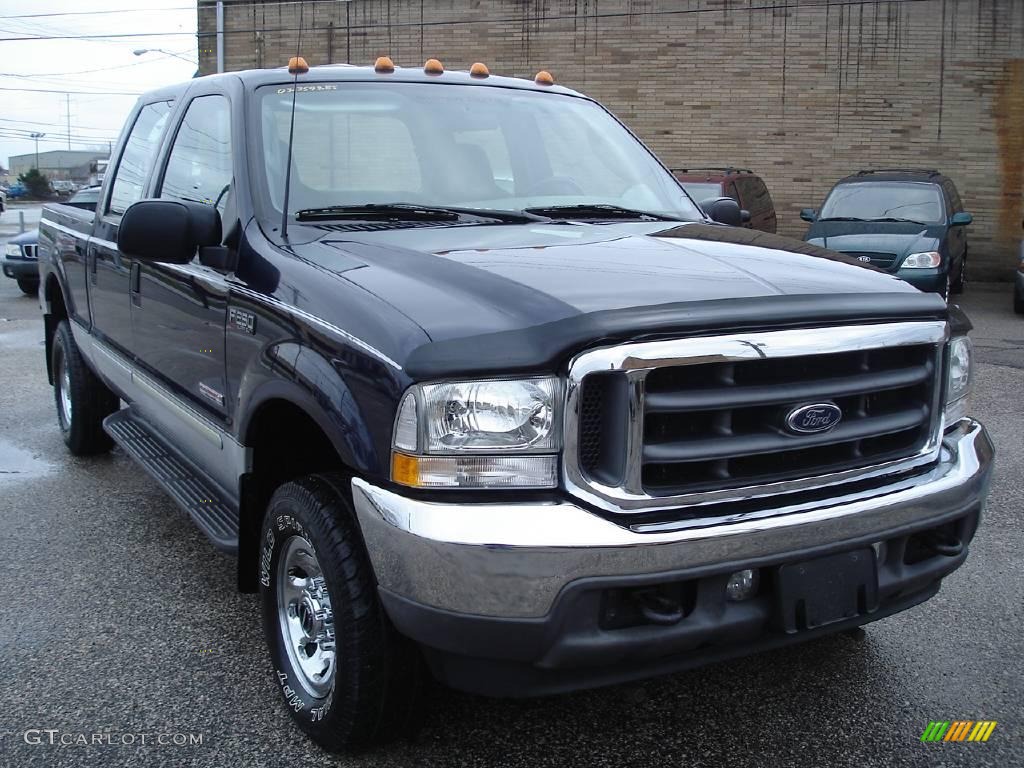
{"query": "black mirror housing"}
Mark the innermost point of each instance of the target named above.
(808, 214)
(167, 231)
(724, 210)
(745, 216)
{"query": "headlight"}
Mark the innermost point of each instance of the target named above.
(478, 434)
(958, 379)
(12, 250)
(926, 260)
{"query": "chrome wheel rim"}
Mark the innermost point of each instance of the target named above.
(305, 617)
(64, 394)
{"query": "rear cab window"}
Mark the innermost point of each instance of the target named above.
(139, 155)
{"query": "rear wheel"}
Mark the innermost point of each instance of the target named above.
(83, 401)
(28, 286)
(348, 679)
(961, 277)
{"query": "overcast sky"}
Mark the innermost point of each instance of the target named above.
(84, 67)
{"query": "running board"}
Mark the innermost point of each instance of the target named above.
(209, 506)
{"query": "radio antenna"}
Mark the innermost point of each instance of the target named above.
(296, 66)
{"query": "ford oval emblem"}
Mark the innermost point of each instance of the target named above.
(817, 417)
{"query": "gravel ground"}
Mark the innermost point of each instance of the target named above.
(117, 617)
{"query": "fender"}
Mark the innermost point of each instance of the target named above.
(302, 376)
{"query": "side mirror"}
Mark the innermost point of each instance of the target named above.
(808, 214)
(961, 219)
(724, 210)
(167, 231)
(744, 216)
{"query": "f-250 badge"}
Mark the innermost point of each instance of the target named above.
(242, 320)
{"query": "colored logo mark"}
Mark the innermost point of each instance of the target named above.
(958, 730)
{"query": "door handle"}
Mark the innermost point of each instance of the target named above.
(135, 284)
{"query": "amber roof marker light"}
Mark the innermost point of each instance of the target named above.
(297, 66)
(384, 65)
(433, 67)
(479, 70)
(544, 78)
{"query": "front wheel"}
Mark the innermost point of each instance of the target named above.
(346, 676)
(83, 401)
(28, 286)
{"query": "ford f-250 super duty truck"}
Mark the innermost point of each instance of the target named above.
(471, 386)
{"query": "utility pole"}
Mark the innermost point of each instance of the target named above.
(37, 137)
(67, 103)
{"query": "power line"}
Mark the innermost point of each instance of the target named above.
(98, 13)
(45, 122)
(779, 6)
(100, 69)
(68, 90)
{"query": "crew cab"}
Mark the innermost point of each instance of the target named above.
(471, 386)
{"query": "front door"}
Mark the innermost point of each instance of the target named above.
(179, 310)
(109, 270)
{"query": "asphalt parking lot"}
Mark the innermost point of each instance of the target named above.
(117, 617)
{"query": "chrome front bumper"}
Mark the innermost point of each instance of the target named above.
(511, 560)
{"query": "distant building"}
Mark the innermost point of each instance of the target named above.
(60, 164)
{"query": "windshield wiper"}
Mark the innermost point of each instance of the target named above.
(597, 211)
(892, 218)
(845, 218)
(412, 212)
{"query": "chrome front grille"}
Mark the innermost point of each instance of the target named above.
(671, 423)
(880, 260)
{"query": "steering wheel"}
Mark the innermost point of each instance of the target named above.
(555, 185)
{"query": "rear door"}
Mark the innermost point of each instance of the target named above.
(110, 270)
(178, 310)
(755, 198)
(957, 236)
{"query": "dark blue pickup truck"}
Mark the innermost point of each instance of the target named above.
(471, 386)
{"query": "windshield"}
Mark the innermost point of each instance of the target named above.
(459, 146)
(701, 190)
(914, 201)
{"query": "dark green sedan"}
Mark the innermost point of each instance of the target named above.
(909, 222)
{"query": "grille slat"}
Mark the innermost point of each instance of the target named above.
(747, 445)
(673, 402)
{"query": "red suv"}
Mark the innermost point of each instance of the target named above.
(741, 184)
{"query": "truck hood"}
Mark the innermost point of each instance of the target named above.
(472, 280)
(897, 238)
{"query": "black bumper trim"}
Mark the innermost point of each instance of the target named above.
(568, 649)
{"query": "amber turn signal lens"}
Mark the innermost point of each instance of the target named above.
(297, 66)
(433, 67)
(479, 70)
(544, 78)
(405, 470)
(384, 65)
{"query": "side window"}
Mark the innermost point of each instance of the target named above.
(954, 197)
(199, 167)
(137, 159)
(730, 190)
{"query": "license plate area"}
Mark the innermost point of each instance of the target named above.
(818, 592)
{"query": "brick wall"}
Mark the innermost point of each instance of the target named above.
(802, 91)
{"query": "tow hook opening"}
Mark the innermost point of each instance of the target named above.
(660, 604)
(943, 541)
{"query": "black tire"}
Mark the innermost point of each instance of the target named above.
(377, 680)
(1018, 303)
(90, 400)
(29, 286)
(961, 277)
